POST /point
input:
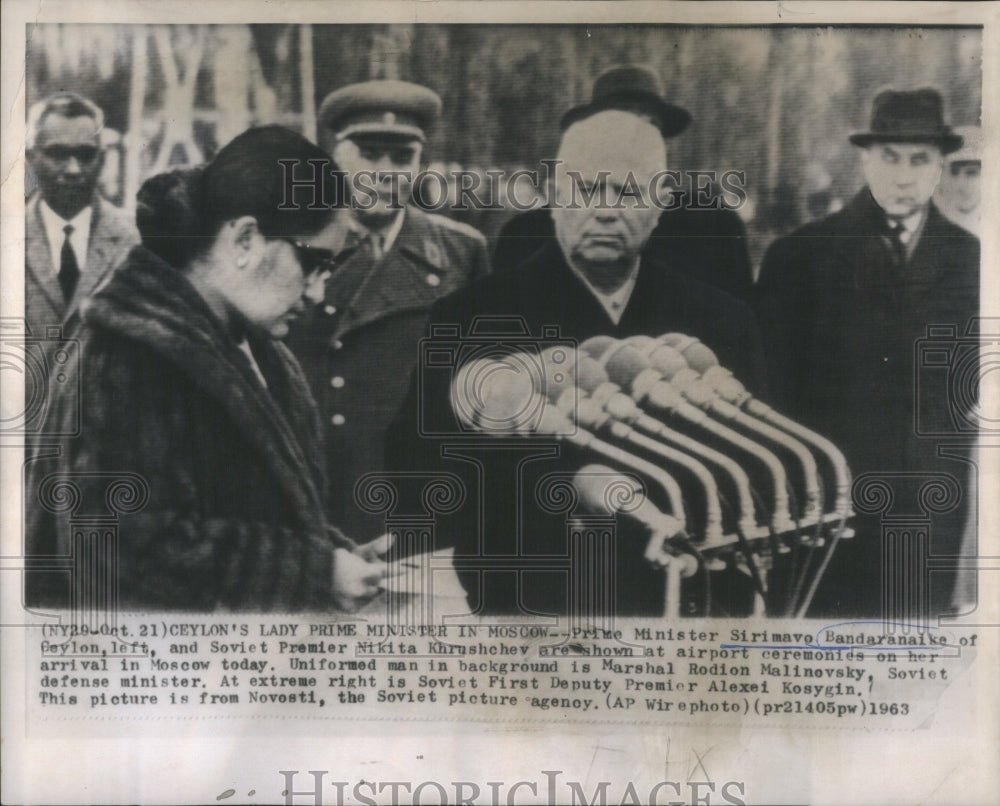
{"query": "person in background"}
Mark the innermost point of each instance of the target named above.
(185, 385)
(842, 302)
(707, 242)
(958, 194)
(73, 237)
(359, 345)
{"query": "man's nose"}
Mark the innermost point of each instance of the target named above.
(72, 166)
(384, 165)
(905, 175)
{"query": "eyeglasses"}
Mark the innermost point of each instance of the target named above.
(83, 154)
(312, 258)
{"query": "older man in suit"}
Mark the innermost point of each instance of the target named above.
(593, 278)
(359, 346)
(73, 237)
(698, 237)
(842, 303)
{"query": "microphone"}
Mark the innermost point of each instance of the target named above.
(604, 490)
(701, 359)
(672, 364)
(601, 414)
(628, 423)
(491, 395)
(647, 387)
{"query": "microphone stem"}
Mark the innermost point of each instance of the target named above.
(741, 481)
(842, 473)
(671, 489)
(813, 508)
(713, 513)
(781, 518)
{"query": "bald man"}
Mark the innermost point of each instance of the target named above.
(593, 279)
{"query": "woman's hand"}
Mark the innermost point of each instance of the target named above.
(355, 579)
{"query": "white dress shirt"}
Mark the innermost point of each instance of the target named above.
(615, 302)
(55, 234)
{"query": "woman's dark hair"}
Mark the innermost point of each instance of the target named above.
(178, 213)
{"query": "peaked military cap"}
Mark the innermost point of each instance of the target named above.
(393, 109)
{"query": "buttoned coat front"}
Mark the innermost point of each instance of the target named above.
(360, 346)
(844, 327)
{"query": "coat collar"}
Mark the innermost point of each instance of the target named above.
(104, 243)
(149, 302)
(863, 218)
(546, 280)
(407, 278)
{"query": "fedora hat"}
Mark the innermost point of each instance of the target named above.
(914, 116)
(972, 145)
(631, 88)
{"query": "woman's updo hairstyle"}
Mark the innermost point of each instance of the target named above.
(179, 213)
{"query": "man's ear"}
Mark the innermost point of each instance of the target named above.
(242, 239)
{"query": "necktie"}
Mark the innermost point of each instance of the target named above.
(375, 241)
(69, 269)
(895, 231)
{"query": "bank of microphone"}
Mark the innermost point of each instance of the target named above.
(702, 360)
(500, 395)
(647, 387)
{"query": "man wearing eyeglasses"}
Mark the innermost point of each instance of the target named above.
(359, 346)
(73, 237)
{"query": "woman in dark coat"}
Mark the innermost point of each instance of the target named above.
(187, 396)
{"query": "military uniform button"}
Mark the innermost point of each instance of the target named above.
(329, 310)
(337, 344)
(433, 280)
(337, 382)
(337, 419)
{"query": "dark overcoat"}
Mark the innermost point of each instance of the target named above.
(709, 244)
(233, 472)
(843, 325)
(359, 347)
(544, 292)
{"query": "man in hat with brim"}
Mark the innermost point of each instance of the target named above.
(360, 345)
(592, 277)
(842, 302)
(709, 244)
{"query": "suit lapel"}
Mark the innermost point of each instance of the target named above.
(547, 283)
(102, 246)
(38, 260)
(398, 282)
(925, 265)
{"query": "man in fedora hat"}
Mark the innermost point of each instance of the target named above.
(359, 346)
(842, 303)
(591, 278)
(709, 244)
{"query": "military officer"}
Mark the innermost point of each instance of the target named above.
(360, 345)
